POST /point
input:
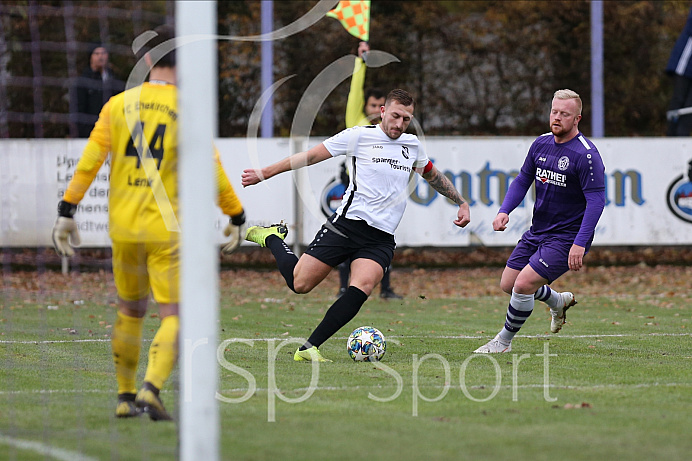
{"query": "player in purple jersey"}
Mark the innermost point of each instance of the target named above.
(570, 196)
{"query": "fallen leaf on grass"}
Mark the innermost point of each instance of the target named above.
(570, 406)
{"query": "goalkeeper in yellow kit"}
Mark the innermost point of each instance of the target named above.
(139, 129)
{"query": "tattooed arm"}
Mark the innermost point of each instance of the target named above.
(444, 186)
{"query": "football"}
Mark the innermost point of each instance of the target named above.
(366, 344)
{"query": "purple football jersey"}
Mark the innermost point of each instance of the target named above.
(564, 174)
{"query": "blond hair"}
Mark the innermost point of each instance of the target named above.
(569, 94)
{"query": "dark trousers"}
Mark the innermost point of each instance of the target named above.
(682, 97)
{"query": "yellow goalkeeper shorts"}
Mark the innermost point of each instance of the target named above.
(141, 268)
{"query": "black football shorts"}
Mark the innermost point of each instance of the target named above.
(342, 239)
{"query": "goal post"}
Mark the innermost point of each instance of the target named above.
(197, 104)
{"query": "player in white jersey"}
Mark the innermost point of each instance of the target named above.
(380, 169)
(381, 160)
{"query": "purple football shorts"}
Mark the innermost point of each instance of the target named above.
(547, 254)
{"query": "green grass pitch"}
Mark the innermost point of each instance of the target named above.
(615, 383)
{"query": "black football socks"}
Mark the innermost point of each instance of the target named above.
(286, 260)
(341, 312)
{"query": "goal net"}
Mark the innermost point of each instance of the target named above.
(57, 387)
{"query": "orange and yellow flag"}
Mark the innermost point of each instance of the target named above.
(355, 17)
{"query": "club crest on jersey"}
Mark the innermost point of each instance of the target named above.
(563, 163)
(404, 152)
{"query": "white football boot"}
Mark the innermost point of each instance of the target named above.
(494, 346)
(559, 314)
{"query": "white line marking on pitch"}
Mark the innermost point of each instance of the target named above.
(63, 341)
(47, 450)
(68, 341)
(60, 391)
(284, 338)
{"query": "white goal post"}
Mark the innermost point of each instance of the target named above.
(197, 105)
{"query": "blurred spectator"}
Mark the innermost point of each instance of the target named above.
(680, 68)
(94, 88)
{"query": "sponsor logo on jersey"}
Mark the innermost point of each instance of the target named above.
(393, 163)
(542, 159)
(377, 147)
(404, 152)
(551, 177)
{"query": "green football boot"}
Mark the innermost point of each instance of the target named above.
(309, 355)
(259, 234)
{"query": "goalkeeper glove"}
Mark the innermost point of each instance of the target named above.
(65, 233)
(235, 229)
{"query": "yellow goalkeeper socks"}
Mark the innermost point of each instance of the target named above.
(163, 352)
(126, 342)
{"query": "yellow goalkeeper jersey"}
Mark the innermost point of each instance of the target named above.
(139, 128)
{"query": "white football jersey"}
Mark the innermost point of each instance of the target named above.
(381, 174)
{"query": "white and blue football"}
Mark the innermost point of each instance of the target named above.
(366, 344)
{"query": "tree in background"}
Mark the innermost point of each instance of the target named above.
(476, 68)
(44, 48)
